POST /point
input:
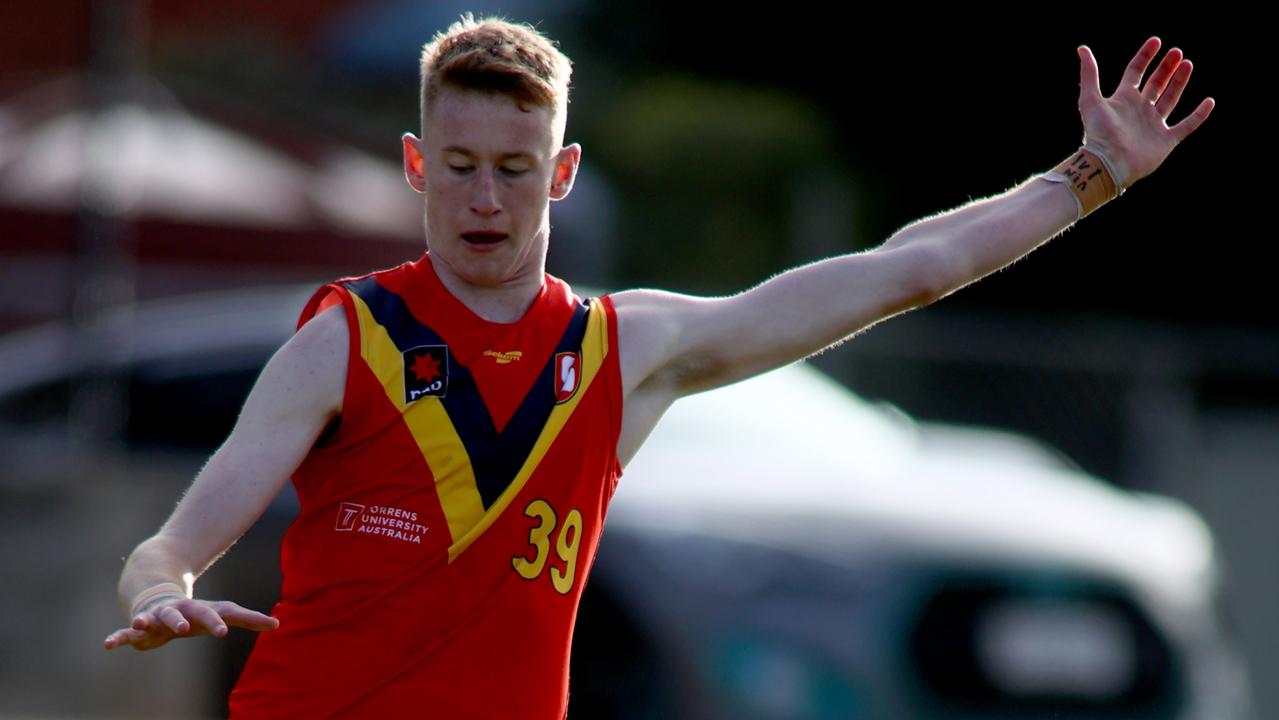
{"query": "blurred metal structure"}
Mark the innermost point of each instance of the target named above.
(196, 197)
(103, 263)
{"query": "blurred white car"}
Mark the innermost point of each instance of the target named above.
(791, 551)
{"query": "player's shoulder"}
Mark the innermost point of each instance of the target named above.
(335, 292)
(313, 362)
(400, 274)
(650, 324)
(648, 311)
(324, 339)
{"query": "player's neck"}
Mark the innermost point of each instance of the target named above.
(505, 303)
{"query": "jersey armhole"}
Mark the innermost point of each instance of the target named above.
(613, 364)
(331, 298)
(324, 298)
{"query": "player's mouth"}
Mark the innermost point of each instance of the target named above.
(483, 238)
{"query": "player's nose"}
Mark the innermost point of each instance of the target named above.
(484, 199)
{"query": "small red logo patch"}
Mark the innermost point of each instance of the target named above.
(425, 368)
(568, 373)
(426, 372)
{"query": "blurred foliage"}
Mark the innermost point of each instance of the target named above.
(707, 172)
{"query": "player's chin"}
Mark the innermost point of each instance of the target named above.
(499, 266)
(487, 271)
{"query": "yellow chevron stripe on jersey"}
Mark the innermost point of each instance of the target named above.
(436, 438)
(594, 349)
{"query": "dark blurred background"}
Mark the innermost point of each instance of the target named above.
(155, 149)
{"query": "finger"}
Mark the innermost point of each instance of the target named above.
(1137, 66)
(1192, 121)
(1158, 79)
(144, 621)
(1172, 95)
(244, 618)
(1089, 86)
(206, 619)
(123, 636)
(126, 636)
(173, 619)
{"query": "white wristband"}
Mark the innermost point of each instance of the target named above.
(154, 592)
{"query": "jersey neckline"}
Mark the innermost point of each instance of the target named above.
(553, 291)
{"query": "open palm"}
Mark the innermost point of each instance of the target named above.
(1130, 127)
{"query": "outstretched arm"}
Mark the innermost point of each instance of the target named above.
(298, 393)
(673, 345)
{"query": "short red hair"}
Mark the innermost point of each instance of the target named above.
(497, 56)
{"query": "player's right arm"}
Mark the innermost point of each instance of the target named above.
(298, 393)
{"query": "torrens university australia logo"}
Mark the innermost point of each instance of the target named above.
(426, 372)
(389, 522)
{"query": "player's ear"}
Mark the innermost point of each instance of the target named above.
(413, 162)
(565, 171)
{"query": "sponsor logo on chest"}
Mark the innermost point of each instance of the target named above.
(426, 372)
(504, 358)
(388, 522)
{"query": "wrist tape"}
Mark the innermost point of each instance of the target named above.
(1090, 178)
(154, 592)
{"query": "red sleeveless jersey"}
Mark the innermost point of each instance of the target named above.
(448, 524)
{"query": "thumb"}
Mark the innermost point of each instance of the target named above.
(1089, 86)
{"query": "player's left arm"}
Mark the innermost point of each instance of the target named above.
(673, 345)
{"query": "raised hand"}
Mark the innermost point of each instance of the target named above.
(1130, 127)
(174, 617)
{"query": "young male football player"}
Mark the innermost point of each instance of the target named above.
(455, 426)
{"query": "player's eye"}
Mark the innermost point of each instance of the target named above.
(460, 169)
(512, 171)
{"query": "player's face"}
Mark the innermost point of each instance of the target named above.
(488, 169)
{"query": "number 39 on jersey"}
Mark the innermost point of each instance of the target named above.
(566, 537)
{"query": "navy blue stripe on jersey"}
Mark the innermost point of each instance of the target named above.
(521, 431)
(495, 457)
